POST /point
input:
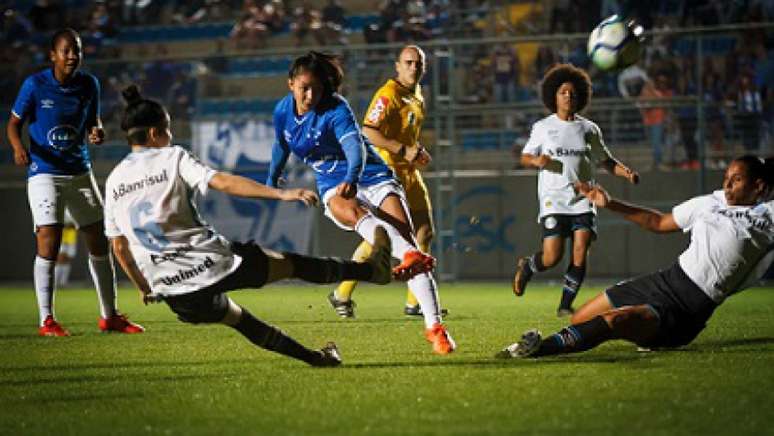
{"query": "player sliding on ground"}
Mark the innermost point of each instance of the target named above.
(358, 190)
(565, 147)
(732, 246)
(171, 255)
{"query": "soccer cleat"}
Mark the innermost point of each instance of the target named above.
(380, 257)
(526, 347)
(416, 310)
(564, 311)
(119, 323)
(52, 328)
(522, 276)
(414, 262)
(344, 309)
(441, 339)
(328, 356)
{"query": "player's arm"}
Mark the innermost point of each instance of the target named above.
(649, 219)
(534, 161)
(13, 130)
(378, 139)
(121, 250)
(615, 167)
(93, 120)
(243, 187)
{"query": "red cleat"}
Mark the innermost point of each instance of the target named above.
(119, 323)
(414, 262)
(52, 328)
(441, 339)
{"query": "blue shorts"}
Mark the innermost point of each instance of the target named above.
(564, 225)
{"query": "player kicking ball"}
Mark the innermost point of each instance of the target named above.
(732, 246)
(171, 255)
(565, 147)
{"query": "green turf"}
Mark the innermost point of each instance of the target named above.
(180, 379)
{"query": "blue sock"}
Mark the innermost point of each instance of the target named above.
(575, 338)
(573, 279)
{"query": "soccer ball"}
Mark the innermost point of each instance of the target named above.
(615, 44)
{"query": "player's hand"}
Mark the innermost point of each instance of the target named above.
(97, 135)
(423, 158)
(309, 198)
(148, 297)
(347, 190)
(21, 157)
(411, 152)
(542, 161)
(632, 176)
(595, 193)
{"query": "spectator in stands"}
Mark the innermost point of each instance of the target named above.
(46, 15)
(415, 21)
(545, 59)
(140, 11)
(17, 29)
(749, 108)
(183, 95)
(686, 115)
(100, 28)
(438, 19)
(199, 11)
(252, 28)
(159, 75)
(506, 69)
(306, 20)
(654, 116)
(712, 87)
(334, 19)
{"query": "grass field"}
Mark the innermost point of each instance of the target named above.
(179, 379)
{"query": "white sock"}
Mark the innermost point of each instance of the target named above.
(104, 277)
(366, 226)
(43, 276)
(424, 288)
(61, 274)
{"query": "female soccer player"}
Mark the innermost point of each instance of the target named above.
(170, 254)
(62, 106)
(732, 246)
(564, 146)
(358, 190)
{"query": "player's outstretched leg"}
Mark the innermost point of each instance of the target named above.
(573, 280)
(273, 339)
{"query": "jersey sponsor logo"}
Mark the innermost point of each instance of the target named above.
(566, 152)
(46, 104)
(170, 256)
(185, 274)
(62, 137)
(376, 113)
(149, 180)
(757, 222)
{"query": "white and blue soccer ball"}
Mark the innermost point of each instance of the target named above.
(615, 43)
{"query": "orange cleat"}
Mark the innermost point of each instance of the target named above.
(414, 262)
(119, 323)
(52, 328)
(441, 339)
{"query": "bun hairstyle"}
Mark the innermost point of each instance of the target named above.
(140, 115)
(325, 67)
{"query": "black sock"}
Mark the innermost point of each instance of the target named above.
(273, 339)
(536, 263)
(328, 269)
(575, 338)
(573, 279)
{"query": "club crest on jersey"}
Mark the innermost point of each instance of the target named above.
(46, 104)
(62, 137)
(411, 118)
(550, 223)
(378, 110)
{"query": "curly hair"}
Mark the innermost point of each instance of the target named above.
(559, 74)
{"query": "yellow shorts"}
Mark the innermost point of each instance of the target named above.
(417, 195)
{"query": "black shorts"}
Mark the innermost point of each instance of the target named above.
(564, 225)
(682, 308)
(210, 304)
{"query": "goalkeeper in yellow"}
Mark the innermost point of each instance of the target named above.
(392, 123)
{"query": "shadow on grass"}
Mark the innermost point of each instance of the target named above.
(505, 363)
(97, 379)
(713, 345)
(114, 366)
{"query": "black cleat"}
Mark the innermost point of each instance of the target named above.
(562, 312)
(528, 346)
(329, 356)
(416, 310)
(523, 274)
(344, 309)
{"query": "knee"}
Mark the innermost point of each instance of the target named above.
(550, 259)
(348, 216)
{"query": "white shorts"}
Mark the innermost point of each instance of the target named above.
(371, 197)
(49, 195)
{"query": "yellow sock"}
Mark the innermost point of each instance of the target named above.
(411, 300)
(345, 289)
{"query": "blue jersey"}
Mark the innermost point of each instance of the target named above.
(59, 116)
(328, 139)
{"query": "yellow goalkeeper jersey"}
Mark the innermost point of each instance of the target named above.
(398, 113)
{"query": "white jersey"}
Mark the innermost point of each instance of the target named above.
(731, 246)
(576, 147)
(149, 201)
